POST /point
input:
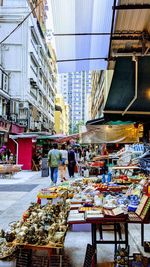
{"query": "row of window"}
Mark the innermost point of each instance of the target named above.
(41, 99)
(41, 78)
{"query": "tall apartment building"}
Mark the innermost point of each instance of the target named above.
(28, 84)
(75, 87)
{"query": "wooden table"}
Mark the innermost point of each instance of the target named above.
(88, 166)
(108, 157)
(124, 169)
(9, 169)
(97, 223)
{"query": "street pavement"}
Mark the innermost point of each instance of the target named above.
(16, 194)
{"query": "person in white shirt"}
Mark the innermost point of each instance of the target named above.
(64, 162)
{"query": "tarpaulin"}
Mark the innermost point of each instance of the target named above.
(110, 134)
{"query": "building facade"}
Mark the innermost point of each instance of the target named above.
(75, 87)
(61, 115)
(100, 82)
(40, 12)
(28, 84)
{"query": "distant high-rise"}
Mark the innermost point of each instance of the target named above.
(75, 87)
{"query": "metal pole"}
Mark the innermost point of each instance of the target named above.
(112, 27)
(17, 150)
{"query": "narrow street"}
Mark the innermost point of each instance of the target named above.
(74, 105)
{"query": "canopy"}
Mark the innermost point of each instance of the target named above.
(122, 91)
(74, 22)
(98, 134)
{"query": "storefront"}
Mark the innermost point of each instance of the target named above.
(23, 149)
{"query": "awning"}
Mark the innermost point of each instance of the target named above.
(123, 88)
(69, 138)
(99, 134)
(77, 28)
(104, 121)
(52, 137)
(96, 121)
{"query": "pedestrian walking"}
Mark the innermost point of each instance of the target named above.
(71, 162)
(64, 163)
(54, 159)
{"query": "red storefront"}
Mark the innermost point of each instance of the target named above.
(24, 146)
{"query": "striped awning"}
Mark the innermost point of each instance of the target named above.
(84, 17)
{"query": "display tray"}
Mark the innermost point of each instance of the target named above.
(49, 245)
(75, 206)
(93, 214)
(134, 217)
(76, 217)
(116, 212)
(84, 209)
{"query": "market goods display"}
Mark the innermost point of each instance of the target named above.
(102, 200)
(40, 226)
(9, 168)
(54, 192)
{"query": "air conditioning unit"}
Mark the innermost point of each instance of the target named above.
(23, 105)
(4, 117)
(23, 123)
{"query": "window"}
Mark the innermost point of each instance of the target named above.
(40, 98)
(33, 66)
(40, 77)
(4, 82)
(33, 92)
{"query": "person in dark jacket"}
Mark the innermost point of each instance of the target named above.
(71, 162)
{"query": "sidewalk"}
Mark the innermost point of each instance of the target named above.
(17, 192)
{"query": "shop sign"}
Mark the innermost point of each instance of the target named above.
(5, 126)
(17, 129)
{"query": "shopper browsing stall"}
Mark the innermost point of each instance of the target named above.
(64, 163)
(54, 159)
(71, 162)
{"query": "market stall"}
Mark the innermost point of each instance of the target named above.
(41, 227)
(82, 201)
(9, 169)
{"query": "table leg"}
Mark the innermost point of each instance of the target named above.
(126, 234)
(115, 235)
(142, 234)
(101, 231)
(93, 226)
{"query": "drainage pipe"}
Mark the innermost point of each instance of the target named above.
(136, 86)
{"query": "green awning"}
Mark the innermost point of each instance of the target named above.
(123, 88)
